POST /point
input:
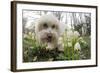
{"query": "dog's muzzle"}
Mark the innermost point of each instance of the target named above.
(49, 37)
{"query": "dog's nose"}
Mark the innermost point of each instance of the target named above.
(49, 36)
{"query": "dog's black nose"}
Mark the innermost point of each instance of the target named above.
(49, 36)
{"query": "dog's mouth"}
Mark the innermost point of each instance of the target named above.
(49, 39)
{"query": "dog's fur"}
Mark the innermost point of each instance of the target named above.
(47, 31)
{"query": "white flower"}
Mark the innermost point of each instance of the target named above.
(77, 46)
(72, 35)
(69, 44)
(82, 40)
(25, 35)
(76, 34)
(30, 33)
(33, 36)
(69, 34)
(60, 39)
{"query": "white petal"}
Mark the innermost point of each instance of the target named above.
(77, 46)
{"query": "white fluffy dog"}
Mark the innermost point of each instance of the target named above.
(47, 31)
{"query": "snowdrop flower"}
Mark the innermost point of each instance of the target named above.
(76, 34)
(60, 41)
(72, 35)
(77, 47)
(33, 36)
(69, 44)
(69, 35)
(30, 33)
(82, 40)
(25, 35)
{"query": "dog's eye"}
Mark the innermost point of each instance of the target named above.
(45, 25)
(53, 26)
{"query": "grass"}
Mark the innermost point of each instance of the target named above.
(86, 48)
(34, 52)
